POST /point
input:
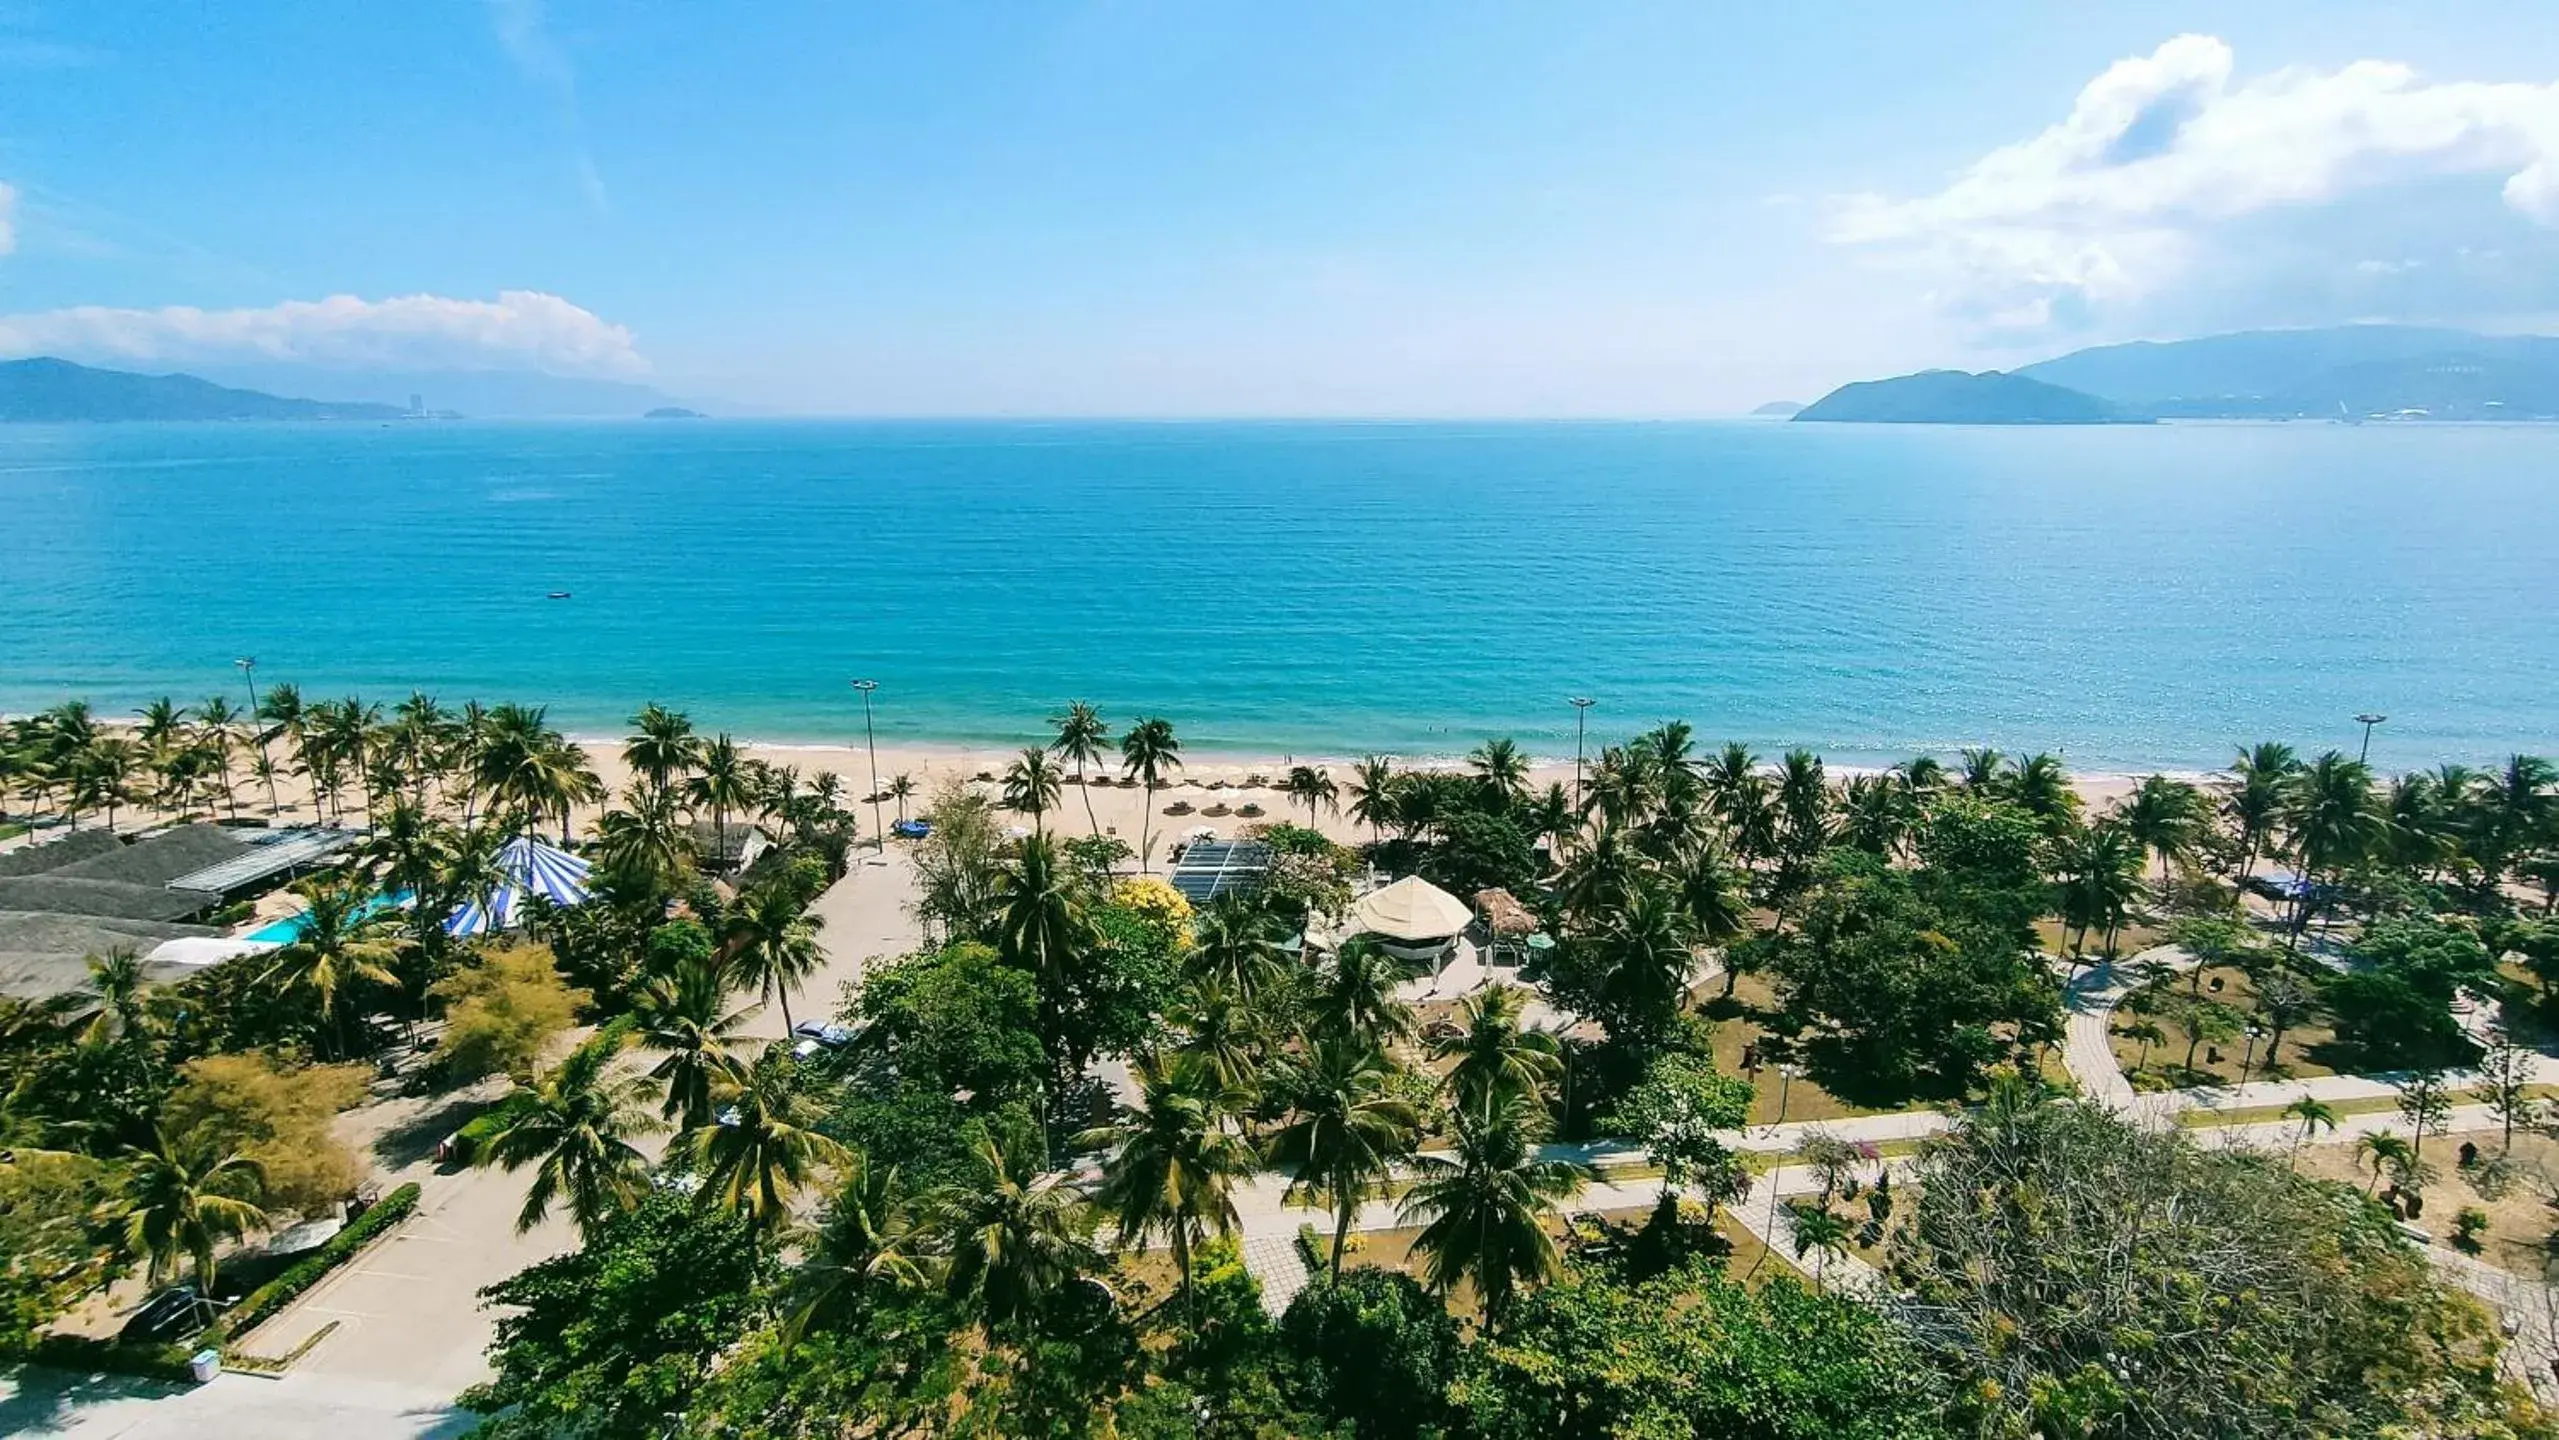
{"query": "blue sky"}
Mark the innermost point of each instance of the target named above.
(1192, 207)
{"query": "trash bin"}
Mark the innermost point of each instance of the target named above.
(205, 1364)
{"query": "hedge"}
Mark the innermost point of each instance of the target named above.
(81, 1354)
(279, 1292)
(483, 1127)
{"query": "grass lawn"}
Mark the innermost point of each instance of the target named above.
(2131, 940)
(2519, 1219)
(1739, 1021)
(2162, 1066)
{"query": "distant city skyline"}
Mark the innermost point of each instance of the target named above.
(1161, 209)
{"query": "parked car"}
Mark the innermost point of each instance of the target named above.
(826, 1033)
(168, 1317)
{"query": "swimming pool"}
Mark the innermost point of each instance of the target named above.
(289, 929)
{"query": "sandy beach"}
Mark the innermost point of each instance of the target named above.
(1204, 782)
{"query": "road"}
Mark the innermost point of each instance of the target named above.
(861, 918)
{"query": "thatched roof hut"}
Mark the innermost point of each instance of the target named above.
(1504, 914)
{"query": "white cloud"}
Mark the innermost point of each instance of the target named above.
(521, 329)
(2165, 155)
(526, 38)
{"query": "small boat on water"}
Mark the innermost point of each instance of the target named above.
(559, 594)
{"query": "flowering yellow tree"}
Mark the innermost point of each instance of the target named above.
(1153, 899)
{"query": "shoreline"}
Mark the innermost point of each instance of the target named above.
(1206, 780)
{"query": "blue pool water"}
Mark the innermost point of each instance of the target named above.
(2133, 595)
(289, 929)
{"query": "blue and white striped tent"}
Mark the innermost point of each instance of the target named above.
(529, 867)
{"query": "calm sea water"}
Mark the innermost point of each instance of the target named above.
(2128, 596)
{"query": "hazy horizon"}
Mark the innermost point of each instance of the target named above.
(1154, 211)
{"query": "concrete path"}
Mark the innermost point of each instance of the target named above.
(863, 917)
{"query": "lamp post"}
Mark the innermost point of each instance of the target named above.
(2255, 1033)
(1581, 726)
(249, 677)
(2368, 719)
(870, 741)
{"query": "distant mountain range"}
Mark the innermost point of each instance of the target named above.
(50, 390)
(2349, 372)
(480, 394)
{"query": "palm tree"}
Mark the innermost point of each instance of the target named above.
(102, 775)
(1345, 1129)
(721, 782)
(341, 939)
(1484, 1208)
(771, 942)
(1819, 1231)
(1648, 949)
(1305, 785)
(1149, 752)
(2163, 816)
(1501, 769)
(1712, 894)
(1040, 923)
(1373, 794)
(1015, 1235)
(2255, 796)
(576, 1126)
(117, 986)
(1174, 1164)
(1876, 813)
(1081, 737)
(1803, 803)
(162, 731)
(646, 841)
(765, 1147)
(1222, 1038)
(663, 748)
(902, 789)
(681, 1016)
(2100, 872)
(1496, 1058)
(1232, 943)
(2384, 1152)
(2315, 1115)
(1355, 995)
(2516, 807)
(183, 1201)
(865, 1244)
(2147, 1034)
(2041, 787)
(1032, 787)
(2329, 817)
(1979, 770)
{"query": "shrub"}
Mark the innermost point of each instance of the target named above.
(277, 1115)
(483, 1127)
(81, 1354)
(503, 1011)
(2467, 1227)
(279, 1292)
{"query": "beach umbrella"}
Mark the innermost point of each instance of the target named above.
(526, 867)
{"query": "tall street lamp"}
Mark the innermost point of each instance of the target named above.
(2368, 719)
(1581, 727)
(249, 676)
(870, 741)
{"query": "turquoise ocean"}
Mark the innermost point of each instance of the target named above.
(2128, 596)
